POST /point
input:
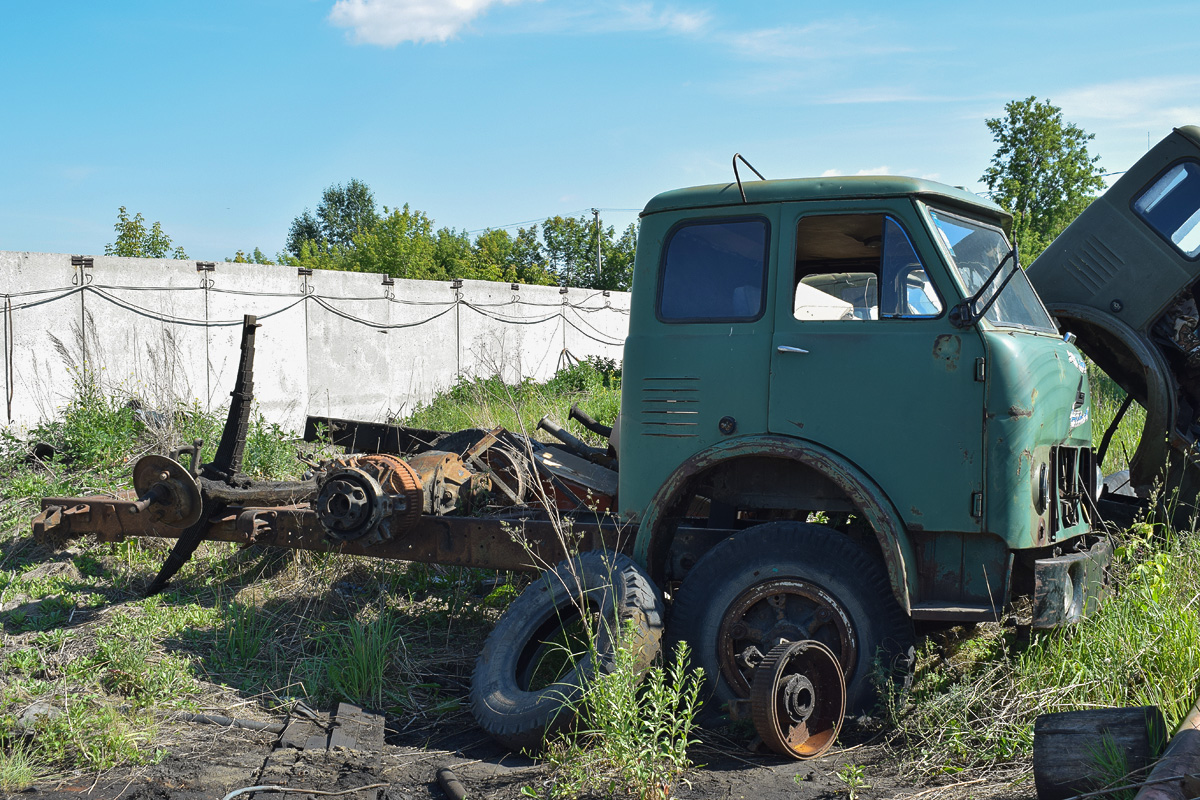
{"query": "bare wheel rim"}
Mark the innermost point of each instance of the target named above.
(778, 611)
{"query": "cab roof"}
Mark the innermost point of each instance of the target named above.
(835, 188)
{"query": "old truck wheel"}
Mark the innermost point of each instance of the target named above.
(540, 656)
(788, 581)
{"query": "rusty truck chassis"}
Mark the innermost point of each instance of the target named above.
(366, 503)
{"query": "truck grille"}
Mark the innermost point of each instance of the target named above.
(670, 407)
(1074, 479)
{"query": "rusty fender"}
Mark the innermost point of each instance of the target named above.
(876, 508)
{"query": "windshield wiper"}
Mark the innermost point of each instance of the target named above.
(964, 315)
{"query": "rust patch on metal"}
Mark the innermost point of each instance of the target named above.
(1015, 411)
(1026, 455)
(523, 545)
(947, 348)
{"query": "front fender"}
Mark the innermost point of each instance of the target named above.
(898, 553)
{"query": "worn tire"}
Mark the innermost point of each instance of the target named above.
(815, 568)
(507, 698)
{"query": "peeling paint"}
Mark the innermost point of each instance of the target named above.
(1015, 411)
(947, 348)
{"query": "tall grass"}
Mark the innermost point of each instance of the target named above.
(1107, 397)
(974, 700)
(595, 384)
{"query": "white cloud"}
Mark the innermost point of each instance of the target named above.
(883, 94)
(644, 17)
(837, 173)
(830, 39)
(612, 16)
(390, 22)
(1142, 104)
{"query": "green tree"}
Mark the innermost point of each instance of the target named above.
(617, 269)
(134, 241)
(570, 253)
(492, 256)
(305, 228)
(453, 255)
(570, 249)
(343, 212)
(529, 258)
(1041, 172)
(257, 257)
(401, 244)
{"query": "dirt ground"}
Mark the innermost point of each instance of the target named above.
(206, 761)
(209, 761)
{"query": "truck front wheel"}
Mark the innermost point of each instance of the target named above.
(788, 581)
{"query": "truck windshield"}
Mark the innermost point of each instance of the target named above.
(974, 251)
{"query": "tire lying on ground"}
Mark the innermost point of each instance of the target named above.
(538, 659)
(789, 581)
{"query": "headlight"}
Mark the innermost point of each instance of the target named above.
(1041, 489)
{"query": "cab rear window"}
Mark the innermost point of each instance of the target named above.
(714, 271)
(1171, 206)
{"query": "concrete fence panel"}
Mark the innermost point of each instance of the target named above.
(330, 343)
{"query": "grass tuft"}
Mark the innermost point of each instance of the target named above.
(17, 765)
(636, 732)
(358, 655)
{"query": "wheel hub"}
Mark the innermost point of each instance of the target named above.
(798, 695)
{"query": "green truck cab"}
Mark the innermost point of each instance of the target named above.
(1123, 277)
(844, 409)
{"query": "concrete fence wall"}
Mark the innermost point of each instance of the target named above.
(331, 343)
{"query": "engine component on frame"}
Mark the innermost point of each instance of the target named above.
(448, 484)
(371, 497)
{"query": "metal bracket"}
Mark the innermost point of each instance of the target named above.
(81, 264)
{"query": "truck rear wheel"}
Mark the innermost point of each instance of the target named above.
(789, 581)
(555, 637)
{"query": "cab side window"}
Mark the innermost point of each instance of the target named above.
(1171, 206)
(714, 271)
(859, 267)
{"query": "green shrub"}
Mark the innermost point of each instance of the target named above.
(635, 734)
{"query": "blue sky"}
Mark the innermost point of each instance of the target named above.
(224, 120)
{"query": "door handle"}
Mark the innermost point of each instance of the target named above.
(783, 348)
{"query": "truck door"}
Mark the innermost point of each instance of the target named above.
(698, 351)
(865, 362)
